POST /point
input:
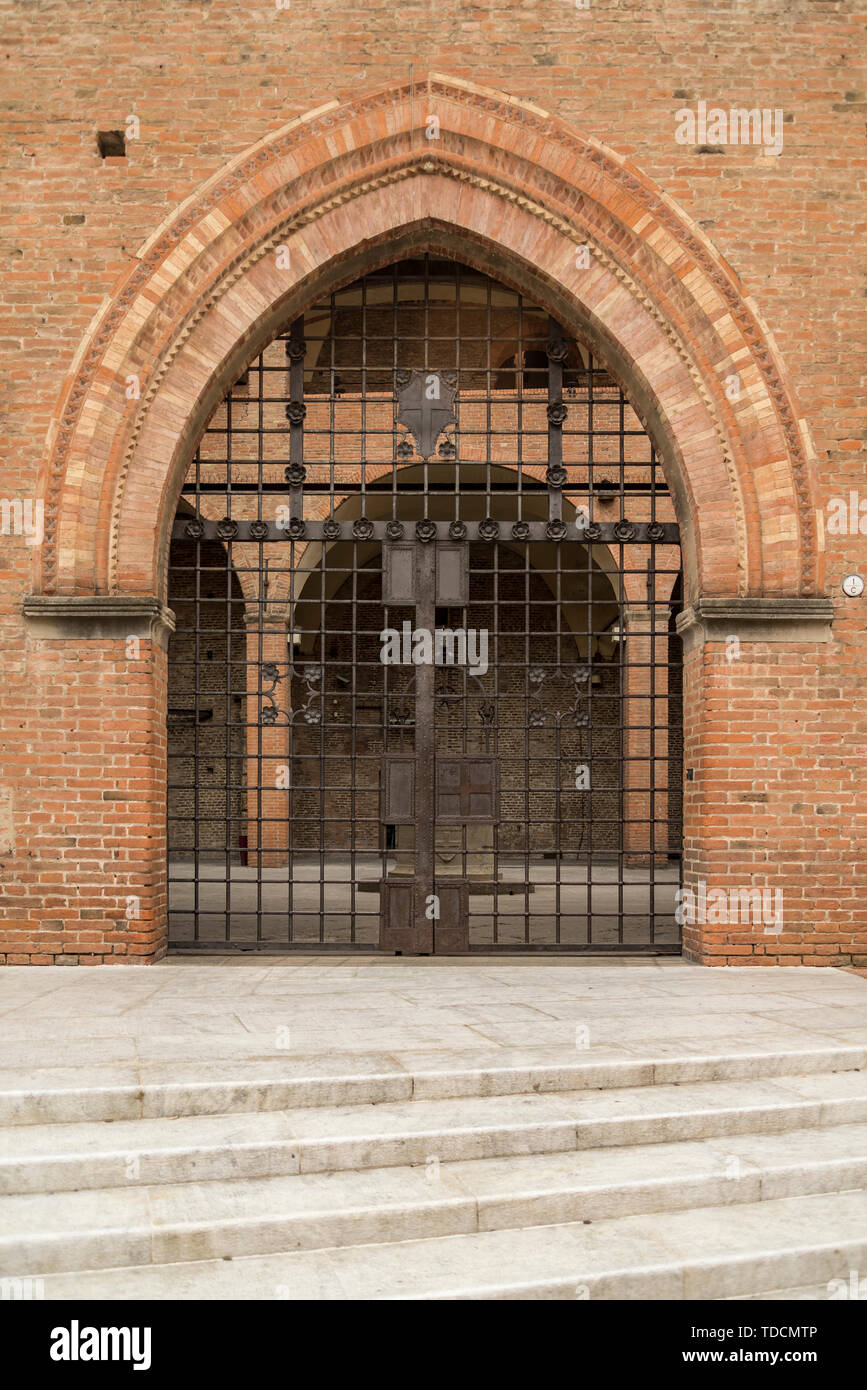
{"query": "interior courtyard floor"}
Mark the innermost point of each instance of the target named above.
(569, 902)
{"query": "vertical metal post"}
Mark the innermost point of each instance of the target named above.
(425, 752)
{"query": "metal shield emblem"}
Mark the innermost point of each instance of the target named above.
(426, 406)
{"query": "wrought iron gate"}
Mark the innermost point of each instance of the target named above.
(424, 692)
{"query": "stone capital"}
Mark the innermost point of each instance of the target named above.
(756, 620)
(91, 617)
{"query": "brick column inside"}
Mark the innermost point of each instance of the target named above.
(267, 744)
(645, 735)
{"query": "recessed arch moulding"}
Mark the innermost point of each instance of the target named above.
(506, 187)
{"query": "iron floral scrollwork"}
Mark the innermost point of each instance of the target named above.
(489, 529)
(426, 530)
(271, 713)
(362, 529)
(311, 713)
(195, 529)
(295, 474)
(453, 694)
(521, 530)
(331, 529)
(227, 529)
(576, 714)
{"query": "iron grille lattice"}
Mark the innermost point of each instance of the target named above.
(425, 447)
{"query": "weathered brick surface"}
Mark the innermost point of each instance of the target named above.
(777, 801)
(87, 880)
(777, 739)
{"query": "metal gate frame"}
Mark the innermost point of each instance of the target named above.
(408, 468)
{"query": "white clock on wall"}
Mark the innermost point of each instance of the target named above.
(853, 585)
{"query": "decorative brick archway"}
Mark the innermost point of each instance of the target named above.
(511, 190)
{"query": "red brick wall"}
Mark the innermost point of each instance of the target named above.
(87, 882)
(208, 80)
(777, 800)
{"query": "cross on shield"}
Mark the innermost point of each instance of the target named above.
(426, 405)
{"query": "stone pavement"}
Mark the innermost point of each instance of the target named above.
(185, 1012)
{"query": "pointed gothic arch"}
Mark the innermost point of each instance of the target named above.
(508, 188)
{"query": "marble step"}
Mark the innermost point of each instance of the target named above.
(61, 1231)
(40, 1158)
(70, 1095)
(708, 1252)
(802, 1293)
